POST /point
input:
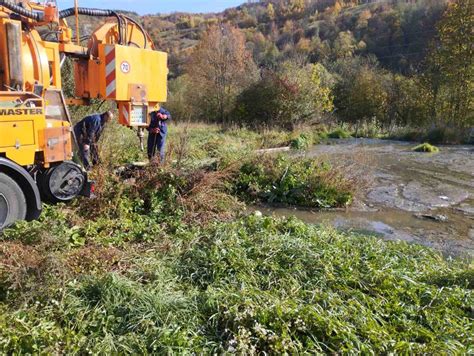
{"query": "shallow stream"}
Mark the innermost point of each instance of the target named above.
(417, 197)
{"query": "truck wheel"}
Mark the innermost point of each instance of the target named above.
(12, 201)
(62, 183)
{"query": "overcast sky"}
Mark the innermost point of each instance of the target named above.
(155, 6)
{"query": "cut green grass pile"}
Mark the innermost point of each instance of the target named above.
(251, 286)
(301, 142)
(293, 181)
(426, 147)
(339, 134)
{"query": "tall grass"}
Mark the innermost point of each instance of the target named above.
(296, 181)
(251, 286)
(166, 261)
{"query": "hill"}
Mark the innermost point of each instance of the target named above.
(396, 32)
(381, 62)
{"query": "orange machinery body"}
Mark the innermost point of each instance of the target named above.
(33, 115)
(35, 127)
(119, 64)
(133, 76)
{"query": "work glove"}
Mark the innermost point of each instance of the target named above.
(86, 147)
(155, 130)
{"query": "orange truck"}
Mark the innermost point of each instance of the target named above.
(119, 64)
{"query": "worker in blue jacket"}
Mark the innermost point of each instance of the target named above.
(158, 130)
(88, 132)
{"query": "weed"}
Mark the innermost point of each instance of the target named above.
(296, 181)
(369, 129)
(302, 142)
(164, 262)
(254, 285)
(282, 286)
(339, 133)
(274, 138)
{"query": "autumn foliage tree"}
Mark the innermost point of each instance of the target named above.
(451, 66)
(219, 69)
(292, 96)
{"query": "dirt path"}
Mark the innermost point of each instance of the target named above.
(416, 197)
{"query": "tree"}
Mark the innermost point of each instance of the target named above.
(178, 101)
(271, 12)
(292, 96)
(362, 94)
(345, 45)
(219, 69)
(408, 102)
(451, 66)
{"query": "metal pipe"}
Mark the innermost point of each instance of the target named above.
(76, 8)
(15, 64)
(20, 10)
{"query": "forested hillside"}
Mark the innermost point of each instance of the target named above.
(397, 68)
(396, 32)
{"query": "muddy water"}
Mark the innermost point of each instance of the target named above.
(416, 197)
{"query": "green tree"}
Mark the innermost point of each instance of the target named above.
(345, 45)
(271, 12)
(292, 96)
(361, 95)
(451, 66)
(408, 102)
(219, 69)
(178, 100)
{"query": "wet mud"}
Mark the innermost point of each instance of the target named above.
(416, 197)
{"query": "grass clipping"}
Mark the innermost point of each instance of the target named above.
(426, 147)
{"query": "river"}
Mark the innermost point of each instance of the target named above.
(416, 197)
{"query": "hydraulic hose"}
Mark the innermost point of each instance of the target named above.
(94, 13)
(141, 29)
(20, 10)
(105, 13)
(85, 11)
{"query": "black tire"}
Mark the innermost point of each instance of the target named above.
(13, 205)
(62, 183)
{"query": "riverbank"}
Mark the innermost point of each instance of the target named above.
(416, 197)
(169, 260)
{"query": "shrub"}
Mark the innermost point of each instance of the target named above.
(301, 142)
(361, 93)
(339, 133)
(295, 181)
(446, 135)
(292, 97)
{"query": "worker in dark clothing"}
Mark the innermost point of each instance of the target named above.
(158, 130)
(88, 132)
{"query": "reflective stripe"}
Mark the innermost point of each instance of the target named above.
(110, 72)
